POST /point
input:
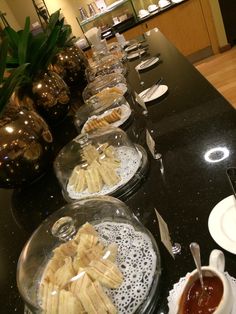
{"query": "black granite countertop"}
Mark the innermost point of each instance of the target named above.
(188, 121)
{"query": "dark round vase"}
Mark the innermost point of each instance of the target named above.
(71, 64)
(25, 147)
(51, 96)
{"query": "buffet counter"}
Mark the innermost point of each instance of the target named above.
(188, 25)
(184, 186)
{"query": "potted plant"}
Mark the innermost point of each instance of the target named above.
(70, 62)
(49, 92)
(25, 140)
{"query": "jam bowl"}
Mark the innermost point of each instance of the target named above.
(90, 254)
(216, 294)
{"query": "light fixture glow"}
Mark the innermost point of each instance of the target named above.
(9, 129)
(216, 154)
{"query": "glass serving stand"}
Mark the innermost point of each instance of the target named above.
(103, 162)
(104, 81)
(102, 105)
(60, 237)
(106, 65)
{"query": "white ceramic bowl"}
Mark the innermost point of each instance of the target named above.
(163, 3)
(152, 7)
(142, 13)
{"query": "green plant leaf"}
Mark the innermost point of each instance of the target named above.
(10, 84)
(46, 52)
(3, 57)
(24, 42)
(12, 62)
(40, 49)
(65, 35)
(13, 38)
(53, 20)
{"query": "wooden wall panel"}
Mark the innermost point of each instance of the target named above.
(184, 26)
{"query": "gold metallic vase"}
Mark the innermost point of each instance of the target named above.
(51, 96)
(25, 147)
(71, 64)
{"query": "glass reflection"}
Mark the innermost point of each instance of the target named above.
(216, 154)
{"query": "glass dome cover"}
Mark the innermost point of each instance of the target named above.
(107, 107)
(126, 253)
(116, 49)
(103, 162)
(106, 65)
(104, 81)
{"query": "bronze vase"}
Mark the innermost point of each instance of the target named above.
(51, 96)
(25, 147)
(71, 64)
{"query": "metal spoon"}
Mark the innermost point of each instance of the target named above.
(195, 250)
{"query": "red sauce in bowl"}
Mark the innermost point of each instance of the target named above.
(197, 301)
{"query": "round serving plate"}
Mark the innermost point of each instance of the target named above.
(222, 224)
(141, 66)
(159, 92)
(137, 256)
(124, 116)
(121, 191)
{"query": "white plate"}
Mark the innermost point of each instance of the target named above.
(222, 224)
(125, 113)
(177, 1)
(135, 54)
(164, 4)
(130, 162)
(139, 66)
(153, 10)
(161, 90)
(144, 15)
(131, 47)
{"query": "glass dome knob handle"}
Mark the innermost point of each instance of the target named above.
(64, 228)
(82, 139)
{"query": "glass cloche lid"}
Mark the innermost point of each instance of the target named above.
(104, 81)
(107, 107)
(90, 256)
(106, 65)
(103, 162)
(116, 50)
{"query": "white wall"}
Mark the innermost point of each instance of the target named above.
(21, 9)
(70, 10)
(10, 17)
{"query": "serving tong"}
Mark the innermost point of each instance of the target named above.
(147, 62)
(231, 175)
(150, 91)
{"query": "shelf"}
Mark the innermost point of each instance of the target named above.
(108, 10)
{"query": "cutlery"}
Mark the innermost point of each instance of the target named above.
(136, 53)
(231, 174)
(147, 62)
(195, 250)
(152, 89)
